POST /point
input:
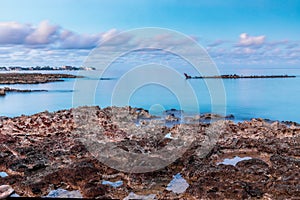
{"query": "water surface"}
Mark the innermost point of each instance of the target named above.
(276, 99)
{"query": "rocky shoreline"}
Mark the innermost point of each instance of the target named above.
(32, 78)
(4, 90)
(42, 153)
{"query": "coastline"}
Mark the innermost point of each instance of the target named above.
(32, 78)
(3, 91)
(235, 76)
(41, 153)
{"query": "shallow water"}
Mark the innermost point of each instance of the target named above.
(3, 174)
(113, 184)
(276, 99)
(61, 193)
(233, 161)
(178, 184)
(132, 195)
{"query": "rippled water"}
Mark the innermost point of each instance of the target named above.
(276, 99)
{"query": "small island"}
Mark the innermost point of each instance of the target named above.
(235, 76)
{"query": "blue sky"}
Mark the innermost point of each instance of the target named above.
(234, 32)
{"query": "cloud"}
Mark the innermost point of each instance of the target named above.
(114, 37)
(46, 35)
(13, 32)
(216, 43)
(292, 45)
(71, 40)
(255, 50)
(246, 40)
(43, 34)
(50, 44)
(27, 34)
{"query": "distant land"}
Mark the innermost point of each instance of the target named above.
(235, 76)
(45, 68)
(32, 78)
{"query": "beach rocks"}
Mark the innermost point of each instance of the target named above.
(172, 118)
(45, 152)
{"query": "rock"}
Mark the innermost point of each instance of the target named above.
(2, 92)
(32, 78)
(5, 191)
(171, 118)
(231, 116)
(45, 151)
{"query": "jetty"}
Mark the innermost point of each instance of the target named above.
(235, 76)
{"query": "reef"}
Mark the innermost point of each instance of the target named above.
(32, 78)
(47, 153)
(4, 90)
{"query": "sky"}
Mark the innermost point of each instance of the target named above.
(233, 32)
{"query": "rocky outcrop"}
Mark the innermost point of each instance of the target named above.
(4, 90)
(43, 152)
(32, 78)
(5, 191)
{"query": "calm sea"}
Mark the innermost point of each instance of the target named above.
(276, 99)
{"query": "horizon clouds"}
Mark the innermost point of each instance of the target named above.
(26, 44)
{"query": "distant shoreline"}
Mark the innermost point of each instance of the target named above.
(46, 68)
(234, 76)
(4, 90)
(32, 78)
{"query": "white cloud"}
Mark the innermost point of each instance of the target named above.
(60, 46)
(246, 40)
(71, 40)
(43, 34)
(216, 43)
(13, 32)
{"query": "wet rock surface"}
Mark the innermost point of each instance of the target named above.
(32, 78)
(44, 152)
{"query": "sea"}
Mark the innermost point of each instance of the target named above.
(274, 99)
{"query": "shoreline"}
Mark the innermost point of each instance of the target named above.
(235, 76)
(41, 153)
(32, 78)
(5, 90)
(170, 115)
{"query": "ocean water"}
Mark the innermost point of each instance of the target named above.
(275, 99)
